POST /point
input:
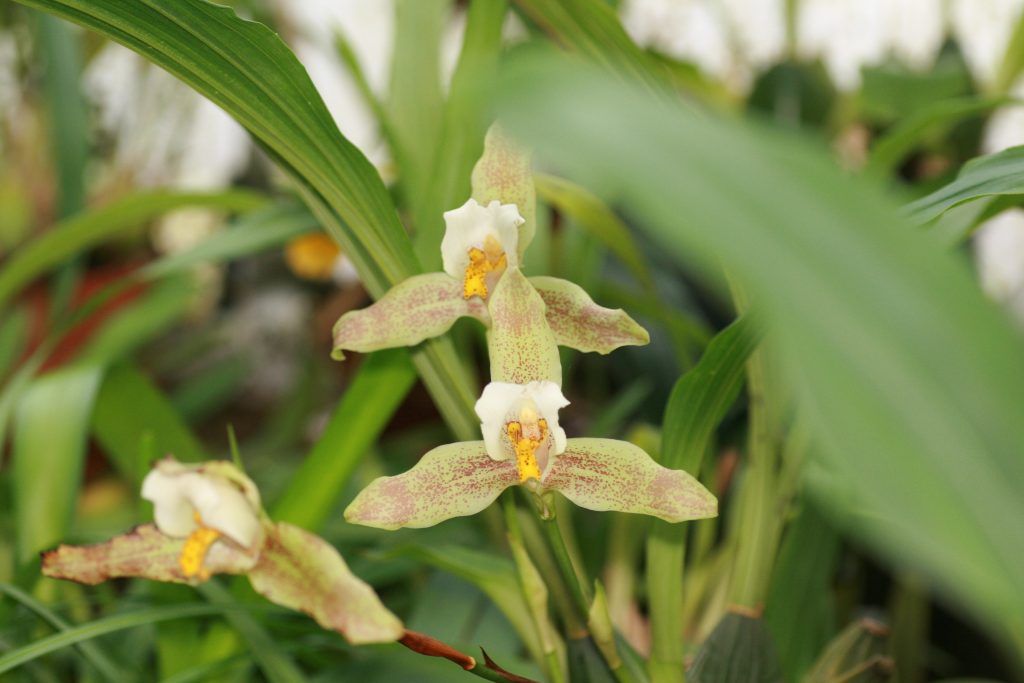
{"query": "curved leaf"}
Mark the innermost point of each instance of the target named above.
(996, 174)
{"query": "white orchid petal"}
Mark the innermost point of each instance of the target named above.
(180, 491)
(501, 402)
(469, 225)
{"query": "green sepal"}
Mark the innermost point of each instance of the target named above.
(418, 308)
(579, 323)
(521, 346)
(301, 571)
(453, 480)
(606, 474)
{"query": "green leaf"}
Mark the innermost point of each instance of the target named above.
(91, 652)
(520, 343)
(595, 216)
(799, 612)
(301, 571)
(462, 137)
(14, 330)
(50, 429)
(739, 650)
(416, 104)
(144, 553)
(698, 402)
(453, 480)
(494, 575)
(368, 404)
(135, 423)
(101, 627)
(606, 474)
(996, 174)
(892, 147)
(422, 307)
(908, 374)
(84, 231)
(577, 322)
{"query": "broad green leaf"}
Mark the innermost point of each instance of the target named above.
(144, 553)
(101, 627)
(368, 404)
(699, 401)
(83, 231)
(520, 343)
(50, 432)
(422, 307)
(464, 126)
(996, 174)
(246, 69)
(892, 147)
(503, 174)
(301, 571)
(135, 422)
(594, 215)
(453, 480)
(577, 322)
(799, 610)
(908, 374)
(606, 474)
(91, 652)
(739, 650)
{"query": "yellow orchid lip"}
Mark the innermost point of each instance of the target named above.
(196, 547)
(526, 448)
(491, 260)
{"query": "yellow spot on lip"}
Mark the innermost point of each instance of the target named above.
(526, 449)
(197, 545)
(490, 259)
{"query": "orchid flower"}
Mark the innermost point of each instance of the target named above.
(484, 242)
(523, 444)
(208, 520)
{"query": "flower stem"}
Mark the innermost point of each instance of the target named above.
(579, 590)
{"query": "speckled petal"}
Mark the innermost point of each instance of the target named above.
(605, 474)
(421, 307)
(579, 323)
(454, 480)
(503, 174)
(143, 552)
(520, 343)
(303, 572)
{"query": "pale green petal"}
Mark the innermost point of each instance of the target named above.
(503, 174)
(143, 552)
(301, 571)
(605, 474)
(450, 481)
(520, 343)
(418, 308)
(579, 323)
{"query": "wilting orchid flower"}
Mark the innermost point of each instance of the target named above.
(524, 444)
(209, 521)
(484, 242)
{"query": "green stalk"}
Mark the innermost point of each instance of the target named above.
(579, 590)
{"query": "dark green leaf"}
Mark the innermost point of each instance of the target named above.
(739, 650)
(996, 174)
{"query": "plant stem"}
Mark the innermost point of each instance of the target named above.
(579, 591)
